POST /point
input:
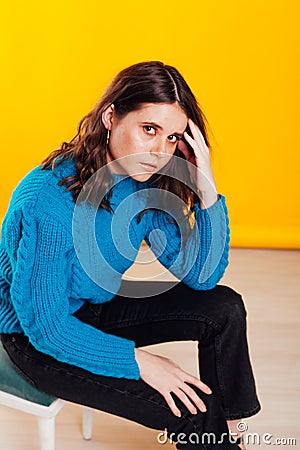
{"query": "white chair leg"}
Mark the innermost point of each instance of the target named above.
(47, 433)
(87, 422)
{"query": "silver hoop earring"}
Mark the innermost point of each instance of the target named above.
(107, 137)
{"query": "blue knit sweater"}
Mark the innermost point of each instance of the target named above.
(42, 282)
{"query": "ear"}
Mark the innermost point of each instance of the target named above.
(108, 116)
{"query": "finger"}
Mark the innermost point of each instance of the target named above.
(184, 398)
(196, 130)
(199, 150)
(199, 136)
(193, 395)
(189, 139)
(172, 405)
(194, 380)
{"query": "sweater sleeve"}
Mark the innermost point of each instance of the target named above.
(201, 260)
(39, 294)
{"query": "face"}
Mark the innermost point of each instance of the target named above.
(147, 136)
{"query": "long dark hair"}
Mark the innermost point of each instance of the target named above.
(144, 82)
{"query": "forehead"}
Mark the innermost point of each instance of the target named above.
(165, 114)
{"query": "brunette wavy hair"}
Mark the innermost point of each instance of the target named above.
(144, 82)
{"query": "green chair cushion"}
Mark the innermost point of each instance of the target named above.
(14, 383)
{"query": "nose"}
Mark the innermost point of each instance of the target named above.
(160, 148)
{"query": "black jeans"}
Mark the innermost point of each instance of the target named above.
(215, 318)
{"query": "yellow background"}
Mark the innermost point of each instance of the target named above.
(241, 59)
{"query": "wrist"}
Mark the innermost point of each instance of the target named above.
(207, 203)
(206, 200)
(138, 353)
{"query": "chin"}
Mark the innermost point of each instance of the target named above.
(142, 176)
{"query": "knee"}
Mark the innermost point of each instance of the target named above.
(232, 305)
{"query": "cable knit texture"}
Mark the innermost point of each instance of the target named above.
(43, 280)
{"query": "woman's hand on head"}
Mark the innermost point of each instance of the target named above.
(166, 376)
(198, 154)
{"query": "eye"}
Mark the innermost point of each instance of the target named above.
(175, 138)
(148, 128)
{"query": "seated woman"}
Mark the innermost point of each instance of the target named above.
(137, 170)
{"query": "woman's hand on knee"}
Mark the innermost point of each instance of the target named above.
(166, 376)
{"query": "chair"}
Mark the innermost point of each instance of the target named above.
(17, 393)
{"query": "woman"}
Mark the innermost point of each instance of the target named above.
(69, 323)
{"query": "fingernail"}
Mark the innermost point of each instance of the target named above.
(178, 414)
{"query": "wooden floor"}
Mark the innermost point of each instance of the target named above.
(269, 281)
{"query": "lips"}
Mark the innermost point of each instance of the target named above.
(148, 166)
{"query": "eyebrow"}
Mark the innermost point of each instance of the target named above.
(161, 128)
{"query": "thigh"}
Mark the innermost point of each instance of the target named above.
(132, 399)
(155, 312)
